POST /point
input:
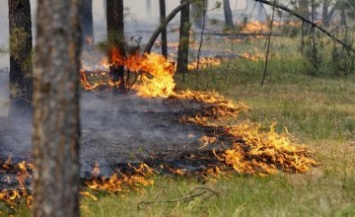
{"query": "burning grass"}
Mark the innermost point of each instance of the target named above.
(122, 181)
(150, 75)
(251, 151)
(244, 147)
(17, 175)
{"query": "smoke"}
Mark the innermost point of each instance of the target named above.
(115, 130)
(15, 137)
(118, 129)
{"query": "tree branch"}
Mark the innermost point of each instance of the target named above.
(294, 13)
(163, 25)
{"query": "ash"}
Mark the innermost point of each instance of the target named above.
(119, 129)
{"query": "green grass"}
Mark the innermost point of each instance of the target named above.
(317, 110)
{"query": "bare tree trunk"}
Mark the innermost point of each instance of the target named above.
(56, 109)
(87, 24)
(325, 13)
(228, 16)
(115, 33)
(183, 49)
(20, 58)
(164, 42)
(197, 9)
(303, 10)
(342, 16)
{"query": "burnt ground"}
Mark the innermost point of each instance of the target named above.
(122, 129)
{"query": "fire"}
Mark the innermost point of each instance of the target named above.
(218, 108)
(265, 153)
(253, 151)
(157, 75)
(264, 27)
(248, 150)
(13, 196)
(256, 56)
(120, 182)
(153, 73)
(255, 27)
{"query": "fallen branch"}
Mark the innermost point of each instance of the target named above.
(294, 13)
(185, 198)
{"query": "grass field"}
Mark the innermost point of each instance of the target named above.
(317, 110)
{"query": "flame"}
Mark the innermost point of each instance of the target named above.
(12, 197)
(219, 107)
(157, 76)
(253, 151)
(154, 72)
(255, 27)
(256, 56)
(265, 152)
(22, 175)
(119, 182)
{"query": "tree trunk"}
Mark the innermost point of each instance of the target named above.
(115, 33)
(197, 9)
(228, 16)
(342, 16)
(183, 49)
(20, 58)
(303, 10)
(87, 25)
(56, 109)
(164, 45)
(325, 13)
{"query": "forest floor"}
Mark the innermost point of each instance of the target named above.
(317, 110)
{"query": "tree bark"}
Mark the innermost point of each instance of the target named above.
(164, 42)
(228, 16)
(21, 76)
(87, 25)
(56, 109)
(115, 33)
(183, 49)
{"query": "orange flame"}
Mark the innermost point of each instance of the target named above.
(120, 182)
(155, 73)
